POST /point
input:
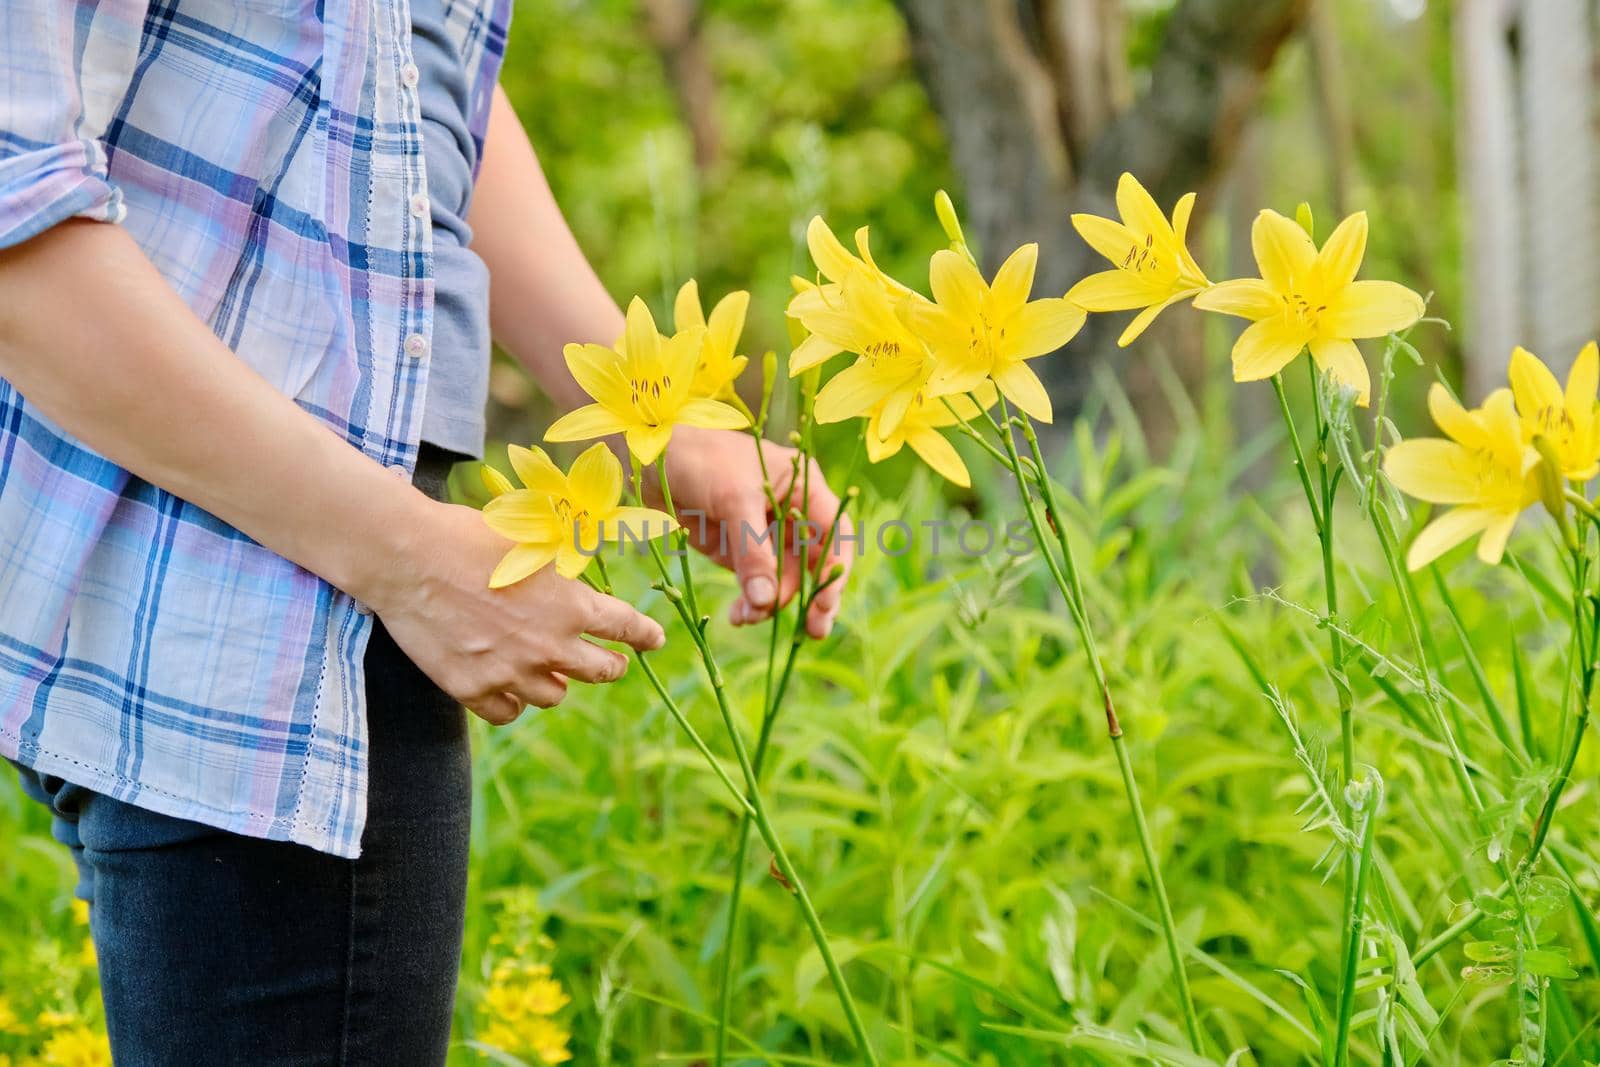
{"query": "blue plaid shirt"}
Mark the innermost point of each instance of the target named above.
(268, 159)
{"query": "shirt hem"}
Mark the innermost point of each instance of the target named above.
(165, 802)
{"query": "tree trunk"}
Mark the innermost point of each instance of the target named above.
(674, 29)
(1027, 167)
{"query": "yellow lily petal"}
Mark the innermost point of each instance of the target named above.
(598, 370)
(827, 252)
(712, 415)
(1180, 226)
(536, 470)
(523, 516)
(1115, 290)
(520, 562)
(1448, 414)
(496, 483)
(1342, 253)
(1041, 327)
(591, 420)
(1445, 533)
(1341, 360)
(1284, 252)
(1492, 545)
(1013, 282)
(634, 524)
(956, 284)
(1583, 381)
(1111, 239)
(1140, 212)
(647, 442)
(686, 308)
(1142, 321)
(1433, 469)
(1534, 387)
(850, 394)
(640, 334)
(812, 352)
(679, 356)
(1265, 348)
(1024, 389)
(572, 561)
(595, 482)
(941, 455)
(727, 321)
(1249, 298)
(1372, 309)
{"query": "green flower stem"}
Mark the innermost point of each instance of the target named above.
(681, 600)
(677, 713)
(773, 698)
(1352, 932)
(1071, 586)
(1321, 506)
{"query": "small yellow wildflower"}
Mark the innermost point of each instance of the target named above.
(1310, 298)
(1484, 468)
(9, 1021)
(565, 517)
(642, 389)
(77, 1047)
(549, 1040)
(1565, 419)
(1152, 267)
(720, 364)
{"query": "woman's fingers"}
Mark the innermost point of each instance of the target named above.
(590, 663)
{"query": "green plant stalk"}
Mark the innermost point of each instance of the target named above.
(1322, 519)
(752, 789)
(1354, 910)
(1070, 584)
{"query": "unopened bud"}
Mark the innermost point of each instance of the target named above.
(1551, 491)
(1302, 215)
(946, 210)
(671, 592)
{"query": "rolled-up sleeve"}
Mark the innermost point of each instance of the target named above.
(65, 71)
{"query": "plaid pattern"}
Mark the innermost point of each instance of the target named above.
(265, 156)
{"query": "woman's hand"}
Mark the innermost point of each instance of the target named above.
(716, 485)
(497, 650)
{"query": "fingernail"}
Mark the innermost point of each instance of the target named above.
(760, 591)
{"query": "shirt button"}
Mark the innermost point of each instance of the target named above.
(361, 609)
(410, 76)
(399, 471)
(419, 206)
(416, 346)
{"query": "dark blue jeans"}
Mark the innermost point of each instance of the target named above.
(220, 949)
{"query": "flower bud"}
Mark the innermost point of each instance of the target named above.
(1551, 491)
(946, 210)
(1302, 215)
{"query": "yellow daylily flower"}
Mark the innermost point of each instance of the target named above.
(720, 364)
(835, 264)
(893, 366)
(1310, 298)
(1565, 419)
(919, 428)
(565, 517)
(642, 389)
(1484, 468)
(1152, 267)
(977, 330)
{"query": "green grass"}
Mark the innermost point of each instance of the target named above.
(942, 780)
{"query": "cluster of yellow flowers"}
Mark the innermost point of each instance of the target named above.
(1497, 460)
(60, 1035)
(972, 341)
(642, 387)
(519, 1008)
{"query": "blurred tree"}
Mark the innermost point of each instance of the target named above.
(1036, 101)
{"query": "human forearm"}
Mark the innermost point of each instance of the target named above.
(93, 336)
(543, 293)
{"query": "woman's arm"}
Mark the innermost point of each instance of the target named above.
(543, 293)
(93, 336)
